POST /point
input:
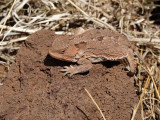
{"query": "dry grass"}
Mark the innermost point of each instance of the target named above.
(95, 104)
(131, 18)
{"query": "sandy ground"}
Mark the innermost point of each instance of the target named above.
(35, 89)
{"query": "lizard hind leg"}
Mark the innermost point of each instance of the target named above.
(84, 66)
(132, 61)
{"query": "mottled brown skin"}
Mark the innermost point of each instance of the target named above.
(92, 46)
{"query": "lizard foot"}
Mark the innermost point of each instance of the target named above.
(84, 66)
(71, 70)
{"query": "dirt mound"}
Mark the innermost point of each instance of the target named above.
(35, 89)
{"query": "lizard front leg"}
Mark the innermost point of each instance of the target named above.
(84, 66)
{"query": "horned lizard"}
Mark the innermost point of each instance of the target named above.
(92, 46)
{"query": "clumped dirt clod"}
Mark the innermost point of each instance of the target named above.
(35, 89)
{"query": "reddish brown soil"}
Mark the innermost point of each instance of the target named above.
(36, 90)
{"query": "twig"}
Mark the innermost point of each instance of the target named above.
(13, 40)
(145, 86)
(18, 7)
(145, 40)
(54, 17)
(30, 31)
(95, 104)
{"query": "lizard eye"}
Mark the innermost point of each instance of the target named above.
(62, 51)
